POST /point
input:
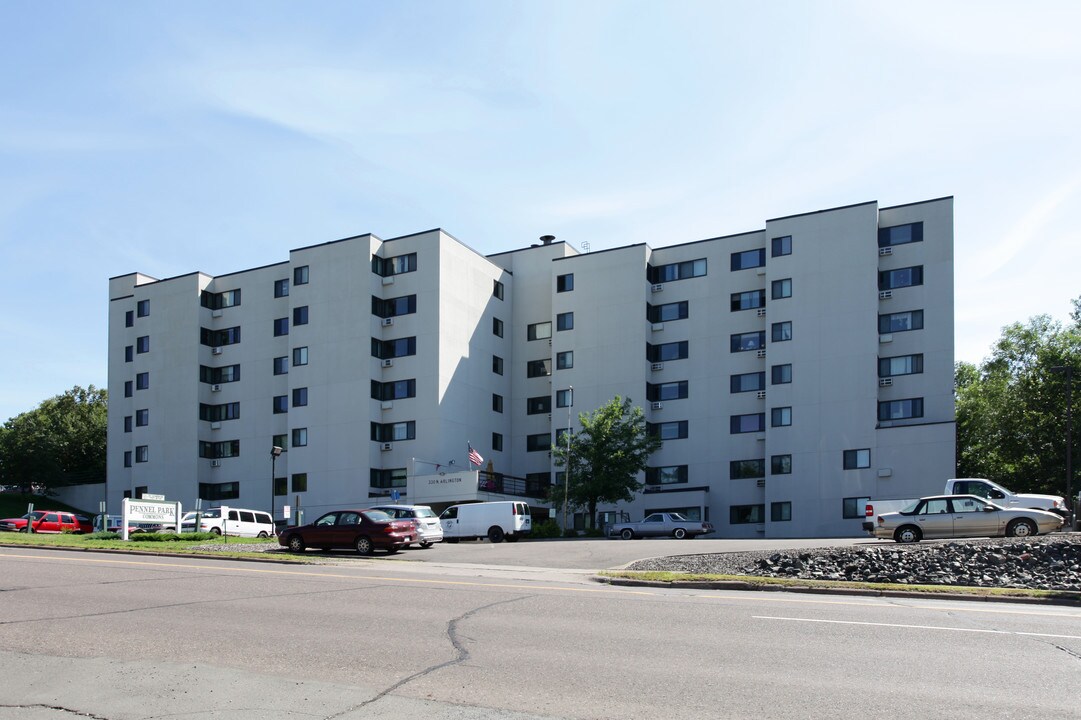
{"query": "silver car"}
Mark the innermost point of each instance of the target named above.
(429, 530)
(956, 516)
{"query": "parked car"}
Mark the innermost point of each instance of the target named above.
(363, 530)
(238, 522)
(49, 521)
(661, 524)
(955, 516)
(497, 521)
(429, 531)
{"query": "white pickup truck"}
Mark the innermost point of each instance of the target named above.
(972, 486)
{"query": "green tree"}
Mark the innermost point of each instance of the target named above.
(61, 442)
(1011, 408)
(605, 457)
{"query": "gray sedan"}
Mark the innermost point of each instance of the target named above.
(661, 524)
(955, 516)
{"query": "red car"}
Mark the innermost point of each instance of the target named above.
(363, 530)
(49, 521)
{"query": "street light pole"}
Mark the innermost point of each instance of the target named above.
(1067, 370)
(567, 466)
(275, 451)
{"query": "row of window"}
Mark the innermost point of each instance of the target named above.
(280, 403)
(142, 382)
(751, 299)
(747, 259)
(141, 419)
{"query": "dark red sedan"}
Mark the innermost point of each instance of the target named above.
(363, 530)
(49, 521)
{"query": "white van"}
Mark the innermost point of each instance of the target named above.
(496, 521)
(232, 521)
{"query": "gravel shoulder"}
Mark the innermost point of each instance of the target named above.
(1050, 562)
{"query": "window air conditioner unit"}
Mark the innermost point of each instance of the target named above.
(761, 353)
(885, 382)
(761, 482)
(215, 351)
(388, 363)
(885, 338)
(761, 312)
(389, 280)
(386, 405)
(657, 366)
(215, 463)
(388, 321)
(215, 426)
(657, 288)
(657, 406)
(657, 326)
(885, 251)
(885, 295)
(760, 271)
(761, 394)
(215, 388)
(388, 446)
(215, 313)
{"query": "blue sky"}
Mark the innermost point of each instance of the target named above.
(169, 137)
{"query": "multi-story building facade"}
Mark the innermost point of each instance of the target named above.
(792, 372)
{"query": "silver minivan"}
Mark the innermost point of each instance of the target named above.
(429, 530)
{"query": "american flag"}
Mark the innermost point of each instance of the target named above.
(474, 456)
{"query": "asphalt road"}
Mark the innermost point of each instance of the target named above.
(124, 637)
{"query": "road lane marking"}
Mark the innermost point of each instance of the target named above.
(918, 627)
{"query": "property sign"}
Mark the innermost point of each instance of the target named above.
(442, 487)
(152, 511)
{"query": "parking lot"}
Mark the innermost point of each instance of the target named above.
(594, 553)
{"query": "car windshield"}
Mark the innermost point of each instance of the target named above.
(425, 512)
(188, 517)
(909, 509)
(37, 515)
(377, 515)
(212, 513)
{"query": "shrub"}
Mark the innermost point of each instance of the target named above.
(547, 529)
(594, 532)
(570, 532)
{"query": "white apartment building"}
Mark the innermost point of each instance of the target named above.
(792, 372)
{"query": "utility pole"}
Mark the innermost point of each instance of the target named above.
(567, 465)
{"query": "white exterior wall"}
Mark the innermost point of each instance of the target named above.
(834, 351)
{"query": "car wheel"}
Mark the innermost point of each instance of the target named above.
(262, 535)
(295, 544)
(495, 534)
(216, 531)
(626, 533)
(907, 534)
(425, 544)
(679, 533)
(1021, 528)
(363, 544)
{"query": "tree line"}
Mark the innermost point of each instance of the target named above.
(60, 442)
